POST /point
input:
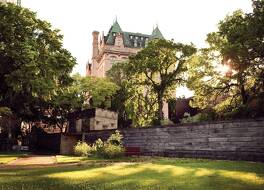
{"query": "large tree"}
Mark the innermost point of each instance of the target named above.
(238, 46)
(161, 67)
(83, 93)
(135, 103)
(33, 62)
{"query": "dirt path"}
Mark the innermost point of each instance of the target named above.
(33, 160)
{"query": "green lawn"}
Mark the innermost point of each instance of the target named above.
(134, 174)
(6, 157)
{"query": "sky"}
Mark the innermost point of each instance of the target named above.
(182, 20)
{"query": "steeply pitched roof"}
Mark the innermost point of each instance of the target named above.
(156, 34)
(115, 28)
(134, 40)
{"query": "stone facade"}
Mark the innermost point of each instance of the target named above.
(117, 46)
(92, 120)
(237, 140)
(67, 143)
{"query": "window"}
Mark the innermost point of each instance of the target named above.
(131, 37)
(114, 34)
(135, 43)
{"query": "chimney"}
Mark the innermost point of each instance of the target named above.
(95, 44)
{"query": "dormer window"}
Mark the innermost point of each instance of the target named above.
(131, 37)
(142, 38)
(136, 37)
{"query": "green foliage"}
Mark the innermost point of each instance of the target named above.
(166, 122)
(161, 65)
(149, 78)
(33, 62)
(5, 111)
(82, 149)
(115, 138)
(132, 100)
(95, 91)
(237, 45)
(98, 147)
(112, 148)
(205, 115)
(84, 92)
(113, 151)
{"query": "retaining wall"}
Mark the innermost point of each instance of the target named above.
(237, 140)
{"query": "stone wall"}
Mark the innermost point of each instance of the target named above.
(67, 143)
(238, 140)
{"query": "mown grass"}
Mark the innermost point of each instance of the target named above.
(142, 173)
(6, 157)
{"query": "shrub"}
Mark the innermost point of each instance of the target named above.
(166, 122)
(98, 147)
(115, 138)
(113, 151)
(112, 148)
(82, 149)
(187, 118)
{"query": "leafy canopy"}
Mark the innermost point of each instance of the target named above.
(33, 62)
(161, 66)
(237, 45)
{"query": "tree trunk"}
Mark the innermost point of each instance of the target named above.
(243, 95)
(243, 92)
(160, 107)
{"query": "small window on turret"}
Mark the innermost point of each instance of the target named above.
(114, 34)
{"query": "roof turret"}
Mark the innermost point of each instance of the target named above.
(156, 34)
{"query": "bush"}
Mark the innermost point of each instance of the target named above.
(82, 149)
(115, 138)
(98, 147)
(166, 122)
(112, 148)
(113, 151)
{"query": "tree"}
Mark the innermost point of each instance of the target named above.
(84, 92)
(161, 66)
(237, 46)
(134, 103)
(95, 91)
(33, 62)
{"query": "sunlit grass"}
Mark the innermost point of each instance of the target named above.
(6, 157)
(61, 159)
(138, 173)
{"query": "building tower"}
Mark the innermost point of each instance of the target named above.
(117, 46)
